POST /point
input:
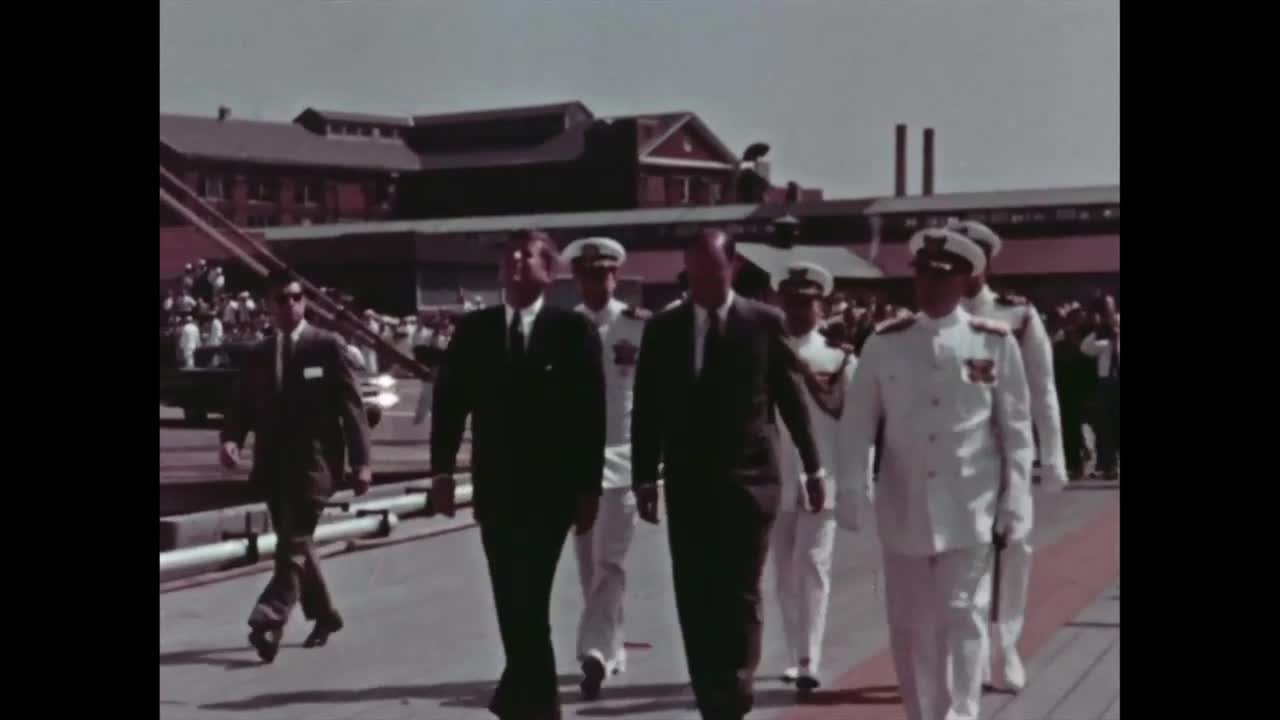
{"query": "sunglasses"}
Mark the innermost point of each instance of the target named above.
(285, 297)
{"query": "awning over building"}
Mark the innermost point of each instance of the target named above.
(841, 262)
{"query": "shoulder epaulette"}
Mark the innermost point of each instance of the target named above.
(989, 326)
(636, 312)
(895, 325)
(1010, 300)
(845, 348)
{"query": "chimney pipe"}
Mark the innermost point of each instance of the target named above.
(928, 162)
(900, 161)
(224, 112)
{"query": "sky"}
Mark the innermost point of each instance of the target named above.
(1021, 93)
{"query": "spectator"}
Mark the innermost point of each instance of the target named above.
(217, 280)
(213, 330)
(1103, 345)
(1075, 378)
(188, 342)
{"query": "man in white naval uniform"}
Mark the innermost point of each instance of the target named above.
(602, 551)
(1037, 359)
(805, 528)
(954, 481)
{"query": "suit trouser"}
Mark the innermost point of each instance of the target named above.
(1073, 414)
(1107, 427)
(601, 554)
(801, 547)
(719, 541)
(937, 608)
(297, 571)
(522, 554)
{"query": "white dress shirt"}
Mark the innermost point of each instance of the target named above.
(1100, 351)
(700, 324)
(955, 404)
(527, 316)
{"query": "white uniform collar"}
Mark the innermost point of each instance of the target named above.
(810, 338)
(608, 313)
(985, 299)
(957, 316)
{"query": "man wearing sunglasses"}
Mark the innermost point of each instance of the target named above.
(954, 483)
(298, 396)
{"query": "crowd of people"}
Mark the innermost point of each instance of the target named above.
(202, 310)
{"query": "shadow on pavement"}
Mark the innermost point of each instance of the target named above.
(654, 698)
(209, 657)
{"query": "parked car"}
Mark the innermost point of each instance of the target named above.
(204, 389)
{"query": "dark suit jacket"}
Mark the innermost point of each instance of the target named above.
(718, 430)
(537, 431)
(304, 430)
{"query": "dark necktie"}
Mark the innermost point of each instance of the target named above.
(710, 342)
(286, 361)
(515, 341)
(1115, 360)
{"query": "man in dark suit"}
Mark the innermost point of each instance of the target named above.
(531, 377)
(712, 371)
(297, 394)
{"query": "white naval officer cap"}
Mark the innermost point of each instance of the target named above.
(595, 252)
(986, 238)
(947, 250)
(806, 278)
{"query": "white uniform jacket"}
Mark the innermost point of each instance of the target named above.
(1037, 359)
(621, 327)
(828, 373)
(954, 401)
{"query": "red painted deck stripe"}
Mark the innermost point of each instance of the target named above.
(1065, 578)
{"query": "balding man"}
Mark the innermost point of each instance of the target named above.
(713, 374)
(530, 377)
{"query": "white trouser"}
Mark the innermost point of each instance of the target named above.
(1015, 579)
(371, 360)
(801, 548)
(938, 613)
(601, 554)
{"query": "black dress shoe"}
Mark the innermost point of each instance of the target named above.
(592, 677)
(323, 629)
(266, 641)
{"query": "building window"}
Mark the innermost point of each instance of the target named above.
(684, 191)
(713, 192)
(307, 192)
(1066, 214)
(1111, 213)
(1000, 217)
(365, 131)
(911, 222)
(262, 190)
(212, 187)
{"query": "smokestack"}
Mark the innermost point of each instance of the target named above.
(928, 162)
(900, 160)
(224, 112)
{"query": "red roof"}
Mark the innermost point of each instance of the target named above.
(500, 114)
(1066, 255)
(365, 118)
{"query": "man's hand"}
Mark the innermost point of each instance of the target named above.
(813, 487)
(647, 503)
(229, 456)
(585, 519)
(363, 479)
(440, 497)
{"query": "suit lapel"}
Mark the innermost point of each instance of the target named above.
(537, 335)
(686, 327)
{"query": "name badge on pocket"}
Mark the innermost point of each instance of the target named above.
(312, 373)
